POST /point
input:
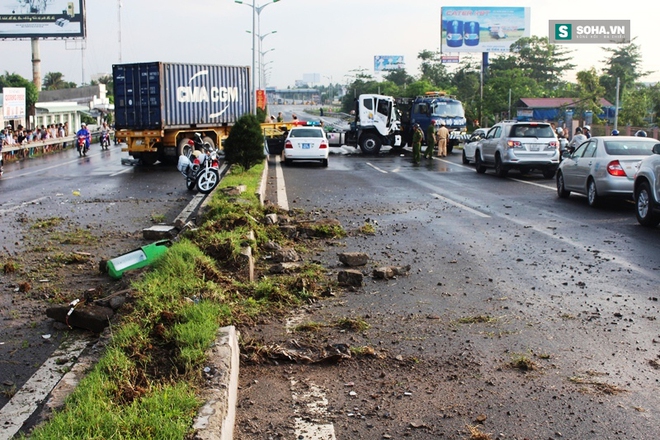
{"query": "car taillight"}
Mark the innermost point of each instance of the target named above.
(514, 144)
(615, 169)
(553, 144)
(323, 145)
(288, 144)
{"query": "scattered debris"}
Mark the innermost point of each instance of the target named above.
(353, 259)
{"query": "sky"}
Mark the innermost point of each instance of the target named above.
(332, 38)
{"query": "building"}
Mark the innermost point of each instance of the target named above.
(558, 109)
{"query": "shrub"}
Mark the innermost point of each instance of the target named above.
(245, 144)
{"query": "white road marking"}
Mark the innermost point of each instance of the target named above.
(460, 205)
(315, 402)
(26, 401)
(282, 200)
(534, 183)
(376, 168)
(30, 202)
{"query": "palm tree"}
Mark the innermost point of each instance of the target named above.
(54, 81)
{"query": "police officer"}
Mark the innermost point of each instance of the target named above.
(430, 141)
(417, 137)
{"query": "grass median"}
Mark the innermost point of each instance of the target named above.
(147, 383)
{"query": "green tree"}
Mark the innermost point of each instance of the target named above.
(624, 62)
(245, 144)
(15, 80)
(496, 93)
(55, 81)
(636, 105)
(542, 61)
(433, 70)
(399, 77)
(590, 93)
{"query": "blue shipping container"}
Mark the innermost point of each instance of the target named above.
(157, 95)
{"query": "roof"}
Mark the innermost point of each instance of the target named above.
(555, 102)
(61, 107)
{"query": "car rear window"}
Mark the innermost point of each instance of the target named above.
(629, 148)
(306, 133)
(532, 131)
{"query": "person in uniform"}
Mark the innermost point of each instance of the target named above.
(430, 141)
(417, 137)
(443, 137)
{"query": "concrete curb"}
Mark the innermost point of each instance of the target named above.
(216, 418)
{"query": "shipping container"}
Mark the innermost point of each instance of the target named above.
(163, 96)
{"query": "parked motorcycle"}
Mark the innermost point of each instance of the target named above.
(105, 140)
(200, 166)
(82, 146)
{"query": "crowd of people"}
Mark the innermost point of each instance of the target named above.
(23, 136)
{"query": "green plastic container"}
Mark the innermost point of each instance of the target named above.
(137, 258)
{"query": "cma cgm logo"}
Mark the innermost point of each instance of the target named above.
(200, 93)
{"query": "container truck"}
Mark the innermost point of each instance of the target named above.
(159, 106)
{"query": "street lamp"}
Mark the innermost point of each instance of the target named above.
(256, 12)
(260, 61)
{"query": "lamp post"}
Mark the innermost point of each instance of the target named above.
(256, 12)
(262, 66)
(261, 54)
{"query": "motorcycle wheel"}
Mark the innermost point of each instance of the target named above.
(207, 180)
(190, 183)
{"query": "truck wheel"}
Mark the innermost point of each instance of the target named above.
(208, 140)
(370, 143)
(148, 159)
(450, 146)
(183, 148)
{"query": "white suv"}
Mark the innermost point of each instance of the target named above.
(518, 145)
(647, 189)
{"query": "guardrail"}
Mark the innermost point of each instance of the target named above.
(22, 151)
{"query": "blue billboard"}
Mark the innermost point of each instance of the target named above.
(483, 28)
(388, 62)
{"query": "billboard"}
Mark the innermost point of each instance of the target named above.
(388, 62)
(42, 19)
(483, 28)
(13, 106)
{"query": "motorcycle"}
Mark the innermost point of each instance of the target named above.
(82, 145)
(105, 140)
(199, 165)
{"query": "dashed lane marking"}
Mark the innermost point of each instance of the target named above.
(309, 399)
(460, 205)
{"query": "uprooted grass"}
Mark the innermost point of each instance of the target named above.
(146, 384)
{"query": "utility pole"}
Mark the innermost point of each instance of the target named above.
(616, 108)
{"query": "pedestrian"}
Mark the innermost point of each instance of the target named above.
(280, 118)
(587, 131)
(430, 141)
(417, 137)
(321, 112)
(443, 138)
(578, 138)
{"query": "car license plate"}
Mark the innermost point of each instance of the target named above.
(306, 146)
(534, 148)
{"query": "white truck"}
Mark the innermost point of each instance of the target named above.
(376, 124)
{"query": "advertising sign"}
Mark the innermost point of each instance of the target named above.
(589, 31)
(447, 59)
(13, 106)
(483, 28)
(261, 99)
(42, 19)
(388, 62)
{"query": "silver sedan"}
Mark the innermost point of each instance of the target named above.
(603, 166)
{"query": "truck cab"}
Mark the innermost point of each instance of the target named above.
(376, 124)
(434, 108)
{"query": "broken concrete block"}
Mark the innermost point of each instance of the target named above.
(87, 316)
(353, 258)
(350, 277)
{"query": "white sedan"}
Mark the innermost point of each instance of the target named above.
(470, 145)
(306, 143)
